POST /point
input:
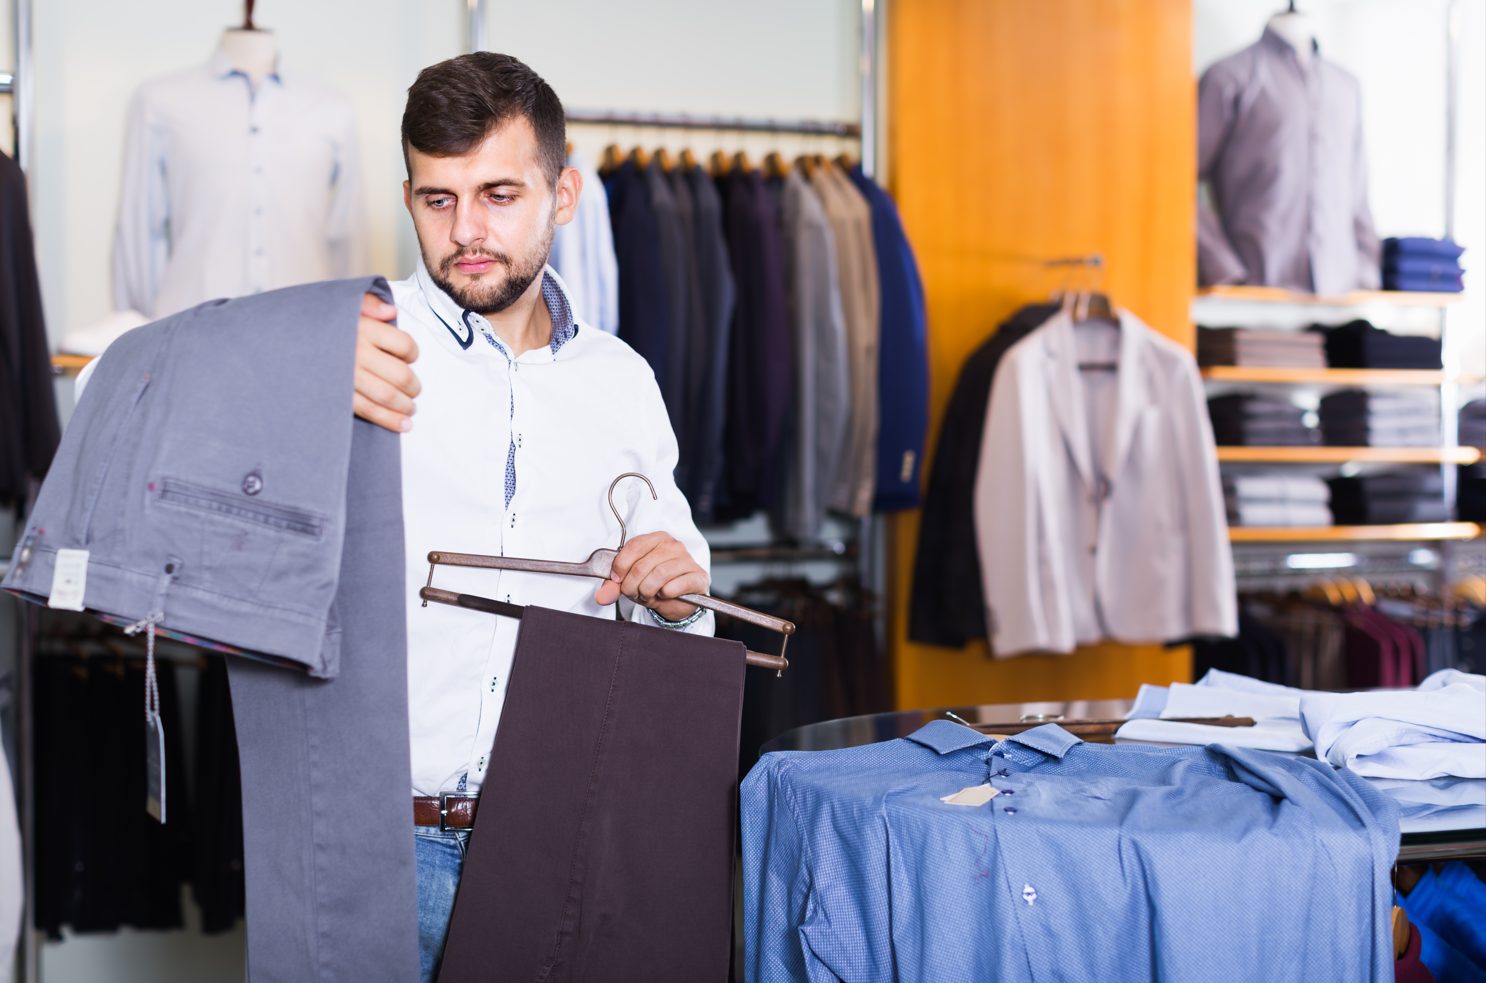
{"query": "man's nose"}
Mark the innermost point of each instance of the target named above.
(468, 230)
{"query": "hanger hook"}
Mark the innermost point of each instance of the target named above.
(624, 532)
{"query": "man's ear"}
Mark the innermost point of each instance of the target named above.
(569, 187)
(407, 196)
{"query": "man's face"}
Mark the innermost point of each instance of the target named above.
(485, 219)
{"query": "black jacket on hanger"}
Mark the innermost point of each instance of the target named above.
(947, 606)
(644, 297)
(29, 430)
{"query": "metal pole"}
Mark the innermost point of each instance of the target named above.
(867, 78)
(477, 34)
(24, 82)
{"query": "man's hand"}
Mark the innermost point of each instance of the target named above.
(652, 570)
(385, 383)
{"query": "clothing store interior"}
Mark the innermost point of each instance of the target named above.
(997, 491)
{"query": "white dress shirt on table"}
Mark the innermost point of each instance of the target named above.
(579, 413)
(230, 190)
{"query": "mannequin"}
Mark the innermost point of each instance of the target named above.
(251, 51)
(1297, 31)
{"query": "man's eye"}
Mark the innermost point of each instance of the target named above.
(438, 202)
(502, 199)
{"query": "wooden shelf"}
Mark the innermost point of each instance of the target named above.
(1416, 531)
(70, 364)
(1357, 298)
(1345, 455)
(1325, 377)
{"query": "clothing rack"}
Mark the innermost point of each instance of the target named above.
(771, 553)
(732, 124)
(869, 550)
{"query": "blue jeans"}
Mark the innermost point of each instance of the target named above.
(440, 859)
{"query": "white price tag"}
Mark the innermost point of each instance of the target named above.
(975, 795)
(69, 580)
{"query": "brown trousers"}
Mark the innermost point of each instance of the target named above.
(603, 846)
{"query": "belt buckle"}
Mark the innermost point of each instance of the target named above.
(444, 798)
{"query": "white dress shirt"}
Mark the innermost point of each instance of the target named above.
(583, 254)
(578, 414)
(229, 190)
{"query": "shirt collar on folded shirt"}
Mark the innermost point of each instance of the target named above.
(1279, 45)
(945, 736)
(464, 325)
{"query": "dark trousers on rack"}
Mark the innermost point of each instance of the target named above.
(604, 844)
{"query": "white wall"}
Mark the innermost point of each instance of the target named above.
(772, 58)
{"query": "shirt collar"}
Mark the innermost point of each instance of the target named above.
(464, 326)
(221, 68)
(944, 737)
(1274, 42)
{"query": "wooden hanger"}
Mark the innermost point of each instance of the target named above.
(688, 159)
(640, 157)
(806, 165)
(775, 166)
(719, 163)
(664, 159)
(845, 161)
(741, 161)
(568, 150)
(613, 157)
(248, 16)
(599, 565)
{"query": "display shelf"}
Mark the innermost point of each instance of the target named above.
(1345, 455)
(1324, 377)
(1407, 532)
(1357, 298)
(69, 364)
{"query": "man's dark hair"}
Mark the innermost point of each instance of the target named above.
(454, 105)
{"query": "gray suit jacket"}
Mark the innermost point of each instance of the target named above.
(823, 404)
(216, 478)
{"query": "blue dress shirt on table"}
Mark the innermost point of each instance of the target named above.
(1093, 862)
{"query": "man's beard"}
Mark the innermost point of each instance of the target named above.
(492, 293)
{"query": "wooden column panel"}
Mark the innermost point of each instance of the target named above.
(1022, 131)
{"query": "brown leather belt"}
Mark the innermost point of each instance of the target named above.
(451, 810)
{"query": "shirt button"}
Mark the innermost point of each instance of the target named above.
(1010, 810)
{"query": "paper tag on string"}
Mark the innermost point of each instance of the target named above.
(975, 795)
(154, 765)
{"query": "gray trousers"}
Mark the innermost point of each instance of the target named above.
(327, 841)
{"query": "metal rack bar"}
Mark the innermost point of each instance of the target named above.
(7, 83)
(736, 124)
(768, 553)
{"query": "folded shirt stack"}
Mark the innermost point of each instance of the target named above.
(1264, 348)
(1435, 731)
(1473, 424)
(1276, 500)
(1470, 493)
(1359, 345)
(1417, 263)
(1404, 495)
(1357, 418)
(1249, 419)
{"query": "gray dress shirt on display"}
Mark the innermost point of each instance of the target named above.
(1279, 143)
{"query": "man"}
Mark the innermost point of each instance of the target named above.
(524, 415)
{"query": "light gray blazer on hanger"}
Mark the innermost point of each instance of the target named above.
(1098, 508)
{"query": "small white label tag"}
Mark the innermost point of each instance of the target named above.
(975, 795)
(69, 580)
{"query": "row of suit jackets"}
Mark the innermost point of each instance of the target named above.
(784, 319)
(1094, 502)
